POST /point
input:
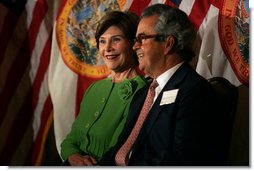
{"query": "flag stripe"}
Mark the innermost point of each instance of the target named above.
(22, 59)
(12, 9)
(23, 151)
(127, 5)
(42, 69)
(15, 42)
(217, 3)
(41, 85)
(6, 32)
(25, 112)
(13, 79)
(43, 41)
(14, 107)
(46, 120)
(211, 14)
(138, 6)
(16, 38)
(156, 1)
(43, 106)
(19, 126)
(199, 11)
(42, 113)
(186, 6)
(168, 2)
(63, 3)
(21, 66)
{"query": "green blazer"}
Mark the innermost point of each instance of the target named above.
(103, 112)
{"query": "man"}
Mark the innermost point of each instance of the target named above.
(182, 126)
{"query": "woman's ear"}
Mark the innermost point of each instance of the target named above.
(169, 44)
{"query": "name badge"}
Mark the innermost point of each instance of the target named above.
(169, 97)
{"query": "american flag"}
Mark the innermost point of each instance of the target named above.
(26, 108)
(35, 83)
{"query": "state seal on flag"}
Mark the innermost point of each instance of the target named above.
(234, 36)
(75, 30)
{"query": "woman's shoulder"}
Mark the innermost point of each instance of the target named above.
(100, 85)
(102, 82)
(140, 79)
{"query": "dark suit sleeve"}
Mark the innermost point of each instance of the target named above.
(108, 158)
(196, 121)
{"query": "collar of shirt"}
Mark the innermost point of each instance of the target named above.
(163, 79)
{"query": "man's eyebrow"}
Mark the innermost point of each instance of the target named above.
(142, 33)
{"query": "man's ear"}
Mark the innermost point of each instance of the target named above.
(169, 44)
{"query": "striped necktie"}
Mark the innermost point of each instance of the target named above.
(122, 155)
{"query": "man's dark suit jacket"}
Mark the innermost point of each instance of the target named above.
(186, 132)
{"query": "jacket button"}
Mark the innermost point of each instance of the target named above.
(103, 100)
(96, 113)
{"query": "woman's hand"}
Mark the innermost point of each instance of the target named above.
(79, 160)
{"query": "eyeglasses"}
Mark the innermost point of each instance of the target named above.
(140, 37)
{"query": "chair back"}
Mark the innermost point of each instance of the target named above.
(227, 95)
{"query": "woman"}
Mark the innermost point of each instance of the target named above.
(105, 105)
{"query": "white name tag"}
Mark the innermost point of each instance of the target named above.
(169, 97)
